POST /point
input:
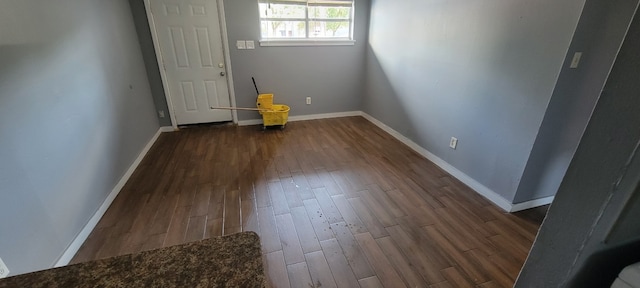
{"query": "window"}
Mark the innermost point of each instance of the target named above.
(306, 22)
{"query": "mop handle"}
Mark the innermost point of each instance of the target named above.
(254, 85)
(240, 108)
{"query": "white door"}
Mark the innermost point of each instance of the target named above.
(188, 33)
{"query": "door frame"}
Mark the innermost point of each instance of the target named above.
(225, 52)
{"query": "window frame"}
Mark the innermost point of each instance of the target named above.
(307, 40)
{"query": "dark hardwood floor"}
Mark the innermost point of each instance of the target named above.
(336, 202)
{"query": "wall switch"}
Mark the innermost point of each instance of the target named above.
(576, 60)
(241, 44)
(453, 143)
(308, 100)
(161, 113)
(251, 44)
(4, 271)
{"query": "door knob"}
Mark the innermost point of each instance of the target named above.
(222, 73)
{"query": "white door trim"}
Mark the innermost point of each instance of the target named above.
(163, 73)
(227, 58)
(158, 52)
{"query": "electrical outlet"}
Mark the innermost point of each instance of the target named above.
(576, 60)
(453, 143)
(161, 113)
(308, 100)
(4, 271)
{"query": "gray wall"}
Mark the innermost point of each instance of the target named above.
(332, 76)
(599, 35)
(572, 248)
(75, 111)
(482, 71)
(150, 60)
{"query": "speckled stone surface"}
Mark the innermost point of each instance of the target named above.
(229, 261)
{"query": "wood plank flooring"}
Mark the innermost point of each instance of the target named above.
(336, 202)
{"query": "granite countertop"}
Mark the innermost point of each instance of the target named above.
(228, 261)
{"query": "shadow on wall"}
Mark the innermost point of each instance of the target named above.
(595, 274)
(150, 61)
(382, 98)
(599, 34)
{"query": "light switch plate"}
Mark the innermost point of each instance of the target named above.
(251, 44)
(241, 44)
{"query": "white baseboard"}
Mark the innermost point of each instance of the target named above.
(325, 116)
(305, 117)
(491, 195)
(166, 129)
(531, 204)
(75, 245)
(249, 122)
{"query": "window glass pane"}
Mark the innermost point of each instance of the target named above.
(289, 19)
(329, 29)
(282, 11)
(320, 12)
(283, 29)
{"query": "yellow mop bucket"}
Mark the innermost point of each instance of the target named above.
(277, 115)
(272, 114)
(265, 101)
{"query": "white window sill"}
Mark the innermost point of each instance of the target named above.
(307, 42)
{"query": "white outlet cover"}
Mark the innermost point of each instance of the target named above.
(453, 143)
(576, 60)
(251, 44)
(4, 271)
(241, 44)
